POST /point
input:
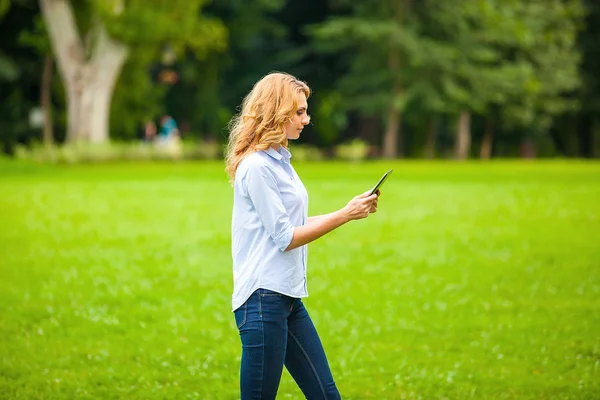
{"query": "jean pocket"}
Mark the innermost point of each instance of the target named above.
(241, 314)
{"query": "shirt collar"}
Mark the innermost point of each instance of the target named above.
(282, 153)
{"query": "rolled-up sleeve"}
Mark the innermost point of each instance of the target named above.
(265, 196)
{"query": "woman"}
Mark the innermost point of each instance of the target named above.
(270, 230)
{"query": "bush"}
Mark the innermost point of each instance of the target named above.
(355, 150)
(75, 153)
(205, 150)
(306, 152)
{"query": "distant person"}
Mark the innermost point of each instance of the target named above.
(149, 131)
(271, 229)
(168, 129)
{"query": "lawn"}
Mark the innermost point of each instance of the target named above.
(472, 281)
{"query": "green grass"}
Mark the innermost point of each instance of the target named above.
(472, 281)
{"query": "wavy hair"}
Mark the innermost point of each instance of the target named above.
(260, 124)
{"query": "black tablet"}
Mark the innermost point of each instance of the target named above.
(381, 181)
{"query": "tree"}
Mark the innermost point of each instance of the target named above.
(548, 46)
(37, 40)
(495, 57)
(589, 116)
(9, 71)
(457, 57)
(467, 71)
(92, 41)
(377, 41)
(20, 72)
(210, 88)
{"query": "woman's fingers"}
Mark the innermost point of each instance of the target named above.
(362, 205)
(373, 207)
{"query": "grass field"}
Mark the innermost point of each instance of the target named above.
(472, 281)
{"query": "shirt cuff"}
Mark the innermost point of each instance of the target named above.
(284, 239)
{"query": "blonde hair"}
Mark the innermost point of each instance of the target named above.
(271, 103)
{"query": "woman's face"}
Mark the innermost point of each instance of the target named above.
(300, 119)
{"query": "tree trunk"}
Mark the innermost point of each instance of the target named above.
(585, 136)
(488, 139)
(595, 136)
(430, 139)
(393, 145)
(392, 133)
(89, 83)
(46, 100)
(369, 130)
(463, 136)
(571, 135)
(392, 140)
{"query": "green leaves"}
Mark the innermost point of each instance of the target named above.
(178, 22)
(4, 6)
(330, 116)
(474, 54)
(9, 71)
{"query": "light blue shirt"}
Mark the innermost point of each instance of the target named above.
(269, 201)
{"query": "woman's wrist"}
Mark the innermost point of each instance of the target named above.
(343, 215)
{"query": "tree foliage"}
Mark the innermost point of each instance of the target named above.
(91, 41)
(401, 71)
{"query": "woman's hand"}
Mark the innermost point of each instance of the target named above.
(374, 205)
(361, 206)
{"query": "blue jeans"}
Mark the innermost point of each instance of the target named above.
(276, 330)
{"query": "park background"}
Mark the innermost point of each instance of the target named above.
(478, 277)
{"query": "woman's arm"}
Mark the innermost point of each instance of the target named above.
(312, 220)
(358, 208)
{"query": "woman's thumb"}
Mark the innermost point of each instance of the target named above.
(365, 194)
